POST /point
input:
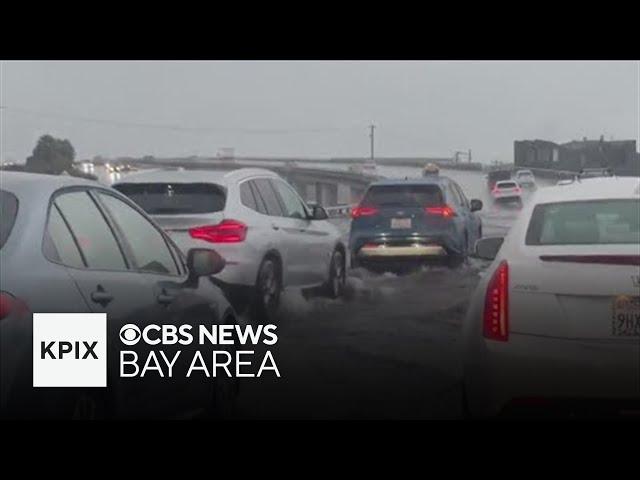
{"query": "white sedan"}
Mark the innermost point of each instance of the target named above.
(507, 190)
(555, 323)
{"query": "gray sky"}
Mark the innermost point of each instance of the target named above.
(313, 108)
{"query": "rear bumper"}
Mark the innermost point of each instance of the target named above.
(390, 251)
(537, 373)
(384, 248)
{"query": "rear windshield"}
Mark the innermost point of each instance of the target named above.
(175, 198)
(8, 212)
(404, 195)
(506, 185)
(586, 223)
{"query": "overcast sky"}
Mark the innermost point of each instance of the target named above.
(313, 108)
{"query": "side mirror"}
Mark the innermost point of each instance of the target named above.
(318, 213)
(203, 262)
(475, 205)
(488, 248)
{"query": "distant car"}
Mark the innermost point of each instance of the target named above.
(70, 245)
(497, 175)
(506, 191)
(402, 223)
(268, 236)
(525, 178)
(554, 324)
(594, 173)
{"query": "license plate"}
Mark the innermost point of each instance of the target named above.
(625, 320)
(400, 223)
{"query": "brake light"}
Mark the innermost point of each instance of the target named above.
(496, 305)
(9, 303)
(227, 231)
(444, 211)
(363, 212)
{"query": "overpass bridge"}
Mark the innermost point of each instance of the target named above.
(326, 187)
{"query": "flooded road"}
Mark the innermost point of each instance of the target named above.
(389, 349)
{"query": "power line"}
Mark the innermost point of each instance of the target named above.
(178, 128)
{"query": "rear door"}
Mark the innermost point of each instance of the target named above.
(311, 239)
(286, 230)
(175, 302)
(99, 266)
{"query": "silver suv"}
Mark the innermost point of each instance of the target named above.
(268, 236)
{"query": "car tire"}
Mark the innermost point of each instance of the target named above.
(267, 291)
(337, 275)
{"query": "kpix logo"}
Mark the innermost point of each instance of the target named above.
(69, 350)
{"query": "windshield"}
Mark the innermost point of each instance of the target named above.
(175, 198)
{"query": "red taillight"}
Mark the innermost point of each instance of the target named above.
(444, 211)
(363, 212)
(8, 304)
(227, 231)
(496, 305)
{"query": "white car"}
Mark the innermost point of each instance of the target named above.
(255, 220)
(507, 190)
(525, 178)
(556, 319)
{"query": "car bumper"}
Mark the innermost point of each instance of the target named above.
(530, 372)
(382, 247)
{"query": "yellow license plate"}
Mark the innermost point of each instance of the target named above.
(625, 318)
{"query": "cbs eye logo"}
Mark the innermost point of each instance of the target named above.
(130, 334)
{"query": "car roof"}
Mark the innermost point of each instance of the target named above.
(593, 189)
(40, 183)
(428, 180)
(195, 176)
(503, 182)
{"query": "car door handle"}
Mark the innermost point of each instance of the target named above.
(164, 298)
(101, 297)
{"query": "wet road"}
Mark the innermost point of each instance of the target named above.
(390, 349)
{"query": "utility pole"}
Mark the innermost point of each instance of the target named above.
(371, 135)
(469, 155)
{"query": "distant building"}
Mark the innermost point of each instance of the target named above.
(620, 155)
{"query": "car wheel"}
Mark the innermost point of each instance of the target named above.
(267, 292)
(337, 275)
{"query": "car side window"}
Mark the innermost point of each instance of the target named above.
(91, 231)
(454, 194)
(260, 206)
(246, 196)
(463, 197)
(60, 246)
(293, 207)
(268, 195)
(148, 246)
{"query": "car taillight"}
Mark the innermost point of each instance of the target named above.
(363, 212)
(496, 305)
(227, 231)
(9, 303)
(444, 211)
